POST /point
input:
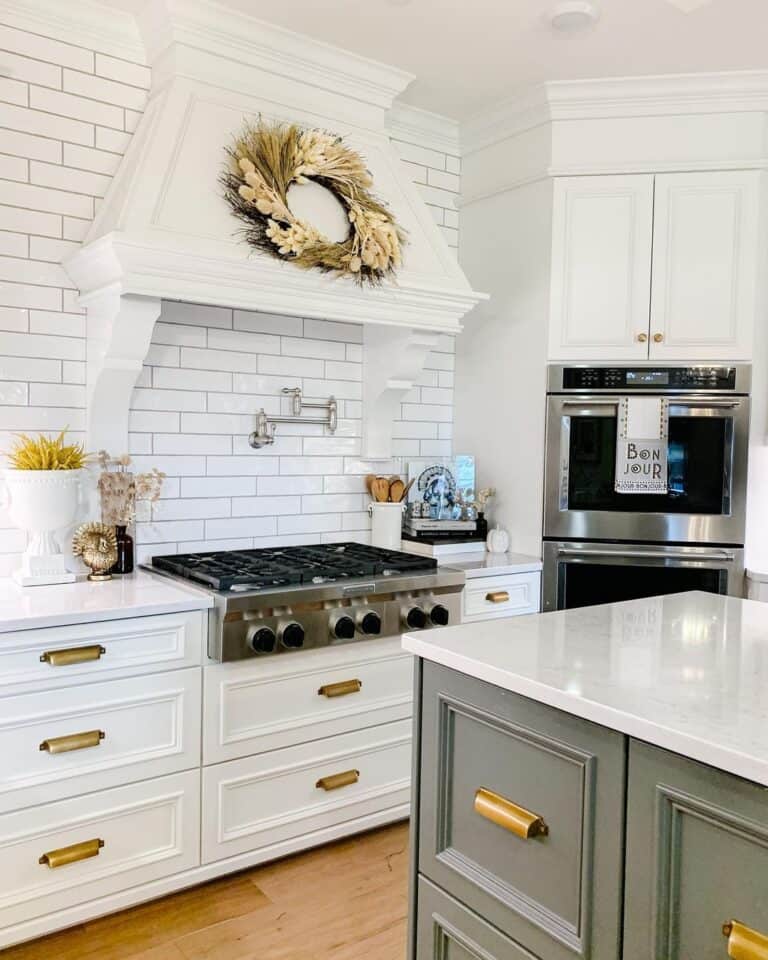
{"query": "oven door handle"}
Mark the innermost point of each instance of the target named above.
(567, 404)
(719, 557)
(706, 404)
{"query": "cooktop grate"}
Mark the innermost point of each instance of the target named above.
(272, 567)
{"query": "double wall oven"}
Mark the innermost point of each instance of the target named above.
(602, 546)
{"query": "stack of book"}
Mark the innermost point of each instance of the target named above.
(441, 538)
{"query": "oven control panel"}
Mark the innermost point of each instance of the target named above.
(660, 379)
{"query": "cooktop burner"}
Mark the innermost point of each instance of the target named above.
(253, 570)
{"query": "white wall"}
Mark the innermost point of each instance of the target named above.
(66, 117)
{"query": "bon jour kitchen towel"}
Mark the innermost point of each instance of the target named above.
(641, 445)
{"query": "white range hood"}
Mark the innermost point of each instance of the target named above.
(165, 232)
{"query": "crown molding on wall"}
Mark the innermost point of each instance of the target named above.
(83, 23)
(628, 97)
(427, 129)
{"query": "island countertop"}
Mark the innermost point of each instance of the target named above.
(140, 594)
(686, 672)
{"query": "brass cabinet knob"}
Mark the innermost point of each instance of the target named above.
(658, 338)
(745, 943)
(642, 338)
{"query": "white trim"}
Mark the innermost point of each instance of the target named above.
(233, 35)
(413, 125)
(664, 95)
(83, 23)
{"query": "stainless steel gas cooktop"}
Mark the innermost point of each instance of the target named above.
(285, 599)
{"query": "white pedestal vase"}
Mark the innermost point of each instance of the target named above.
(42, 502)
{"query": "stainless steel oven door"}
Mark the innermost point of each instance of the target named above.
(708, 442)
(584, 574)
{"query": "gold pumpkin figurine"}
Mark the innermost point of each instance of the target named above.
(96, 543)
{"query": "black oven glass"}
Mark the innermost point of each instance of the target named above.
(696, 464)
(587, 584)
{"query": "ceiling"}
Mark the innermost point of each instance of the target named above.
(467, 54)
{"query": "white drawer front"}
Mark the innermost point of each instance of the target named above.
(274, 702)
(151, 726)
(140, 645)
(149, 830)
(265, 800)
(486, 598)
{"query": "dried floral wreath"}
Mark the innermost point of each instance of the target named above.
(263, 163)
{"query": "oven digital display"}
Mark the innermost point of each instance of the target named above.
(660, 377)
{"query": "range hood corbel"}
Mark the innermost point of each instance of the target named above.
(165, 232)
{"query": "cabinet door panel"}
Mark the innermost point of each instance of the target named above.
(601, 267)
(697, 857)
(705, 256)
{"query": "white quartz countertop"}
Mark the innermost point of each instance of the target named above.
(138, 595)
(491, 564)
(687, 672)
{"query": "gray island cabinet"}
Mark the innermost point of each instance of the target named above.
(593, 784)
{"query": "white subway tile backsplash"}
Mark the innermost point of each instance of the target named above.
(291, 366)
(243, 465)
(68, 178)
(75, 229)
(265, 506)
(199, 358)
(114, 140)
(30, 70)
(341, 389)
(320, 349)
(217, 487)
(28, 295)
(168, 530)
(421, 155)
(171, 379)
(331, 330)
(311, 466)
(256, 385)
(153, 421)
(13, 244)
(31, 197)
(14, 168)
(173, 466)
(46, 248)
(14, 319)
(14, 393)
(114, 69)
(191, 508)
(220, 423)
(332, 503)
(179, 334)
(241, 526)
(243, 403)
(304, 523)
(56, 395)
(343, 371)
(197, 314)
(81, 108)
(29, 146)
(181, 400)
(243, 342)
(30, 221)
(288, 486)
(102, 89)
(181, 443)
(29, 368)
(268, 323)
(332, 446)
(45, 49)
(43, 124)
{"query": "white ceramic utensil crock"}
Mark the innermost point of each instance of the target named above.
(386, 524)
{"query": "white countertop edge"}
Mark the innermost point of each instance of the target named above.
(487, 564)
(141, 594)
(657, 735)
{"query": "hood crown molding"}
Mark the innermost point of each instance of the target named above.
(164, 230)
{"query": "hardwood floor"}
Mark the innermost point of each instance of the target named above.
(340, 902)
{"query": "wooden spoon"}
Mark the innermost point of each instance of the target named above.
(406, 488)
(369, 483)
(380, 489)
(396, 488)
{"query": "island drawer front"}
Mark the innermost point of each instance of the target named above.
(488, 759)
(276, 702)
(31, 659)
(486, 598)
(70, 741)
(268, 799)
(697, 855)
(447, 930)
(149, 830)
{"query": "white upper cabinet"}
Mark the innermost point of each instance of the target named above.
(705, 263)
(601, 267)
(662, 267)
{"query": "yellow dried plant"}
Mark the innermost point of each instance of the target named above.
(46, 453)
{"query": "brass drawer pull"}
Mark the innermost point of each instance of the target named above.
(65, 855)
(341, 689)
(65, 658)
(75, 741)
(745, 943)
(497, 596)
(506, 814)
(338, 780)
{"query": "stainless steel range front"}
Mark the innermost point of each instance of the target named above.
(288, 599)
(600, 544)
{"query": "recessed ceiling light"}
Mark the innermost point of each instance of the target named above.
(568, 16)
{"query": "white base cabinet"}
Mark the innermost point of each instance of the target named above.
(132, 770)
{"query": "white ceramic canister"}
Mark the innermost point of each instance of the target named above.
(386, 524)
